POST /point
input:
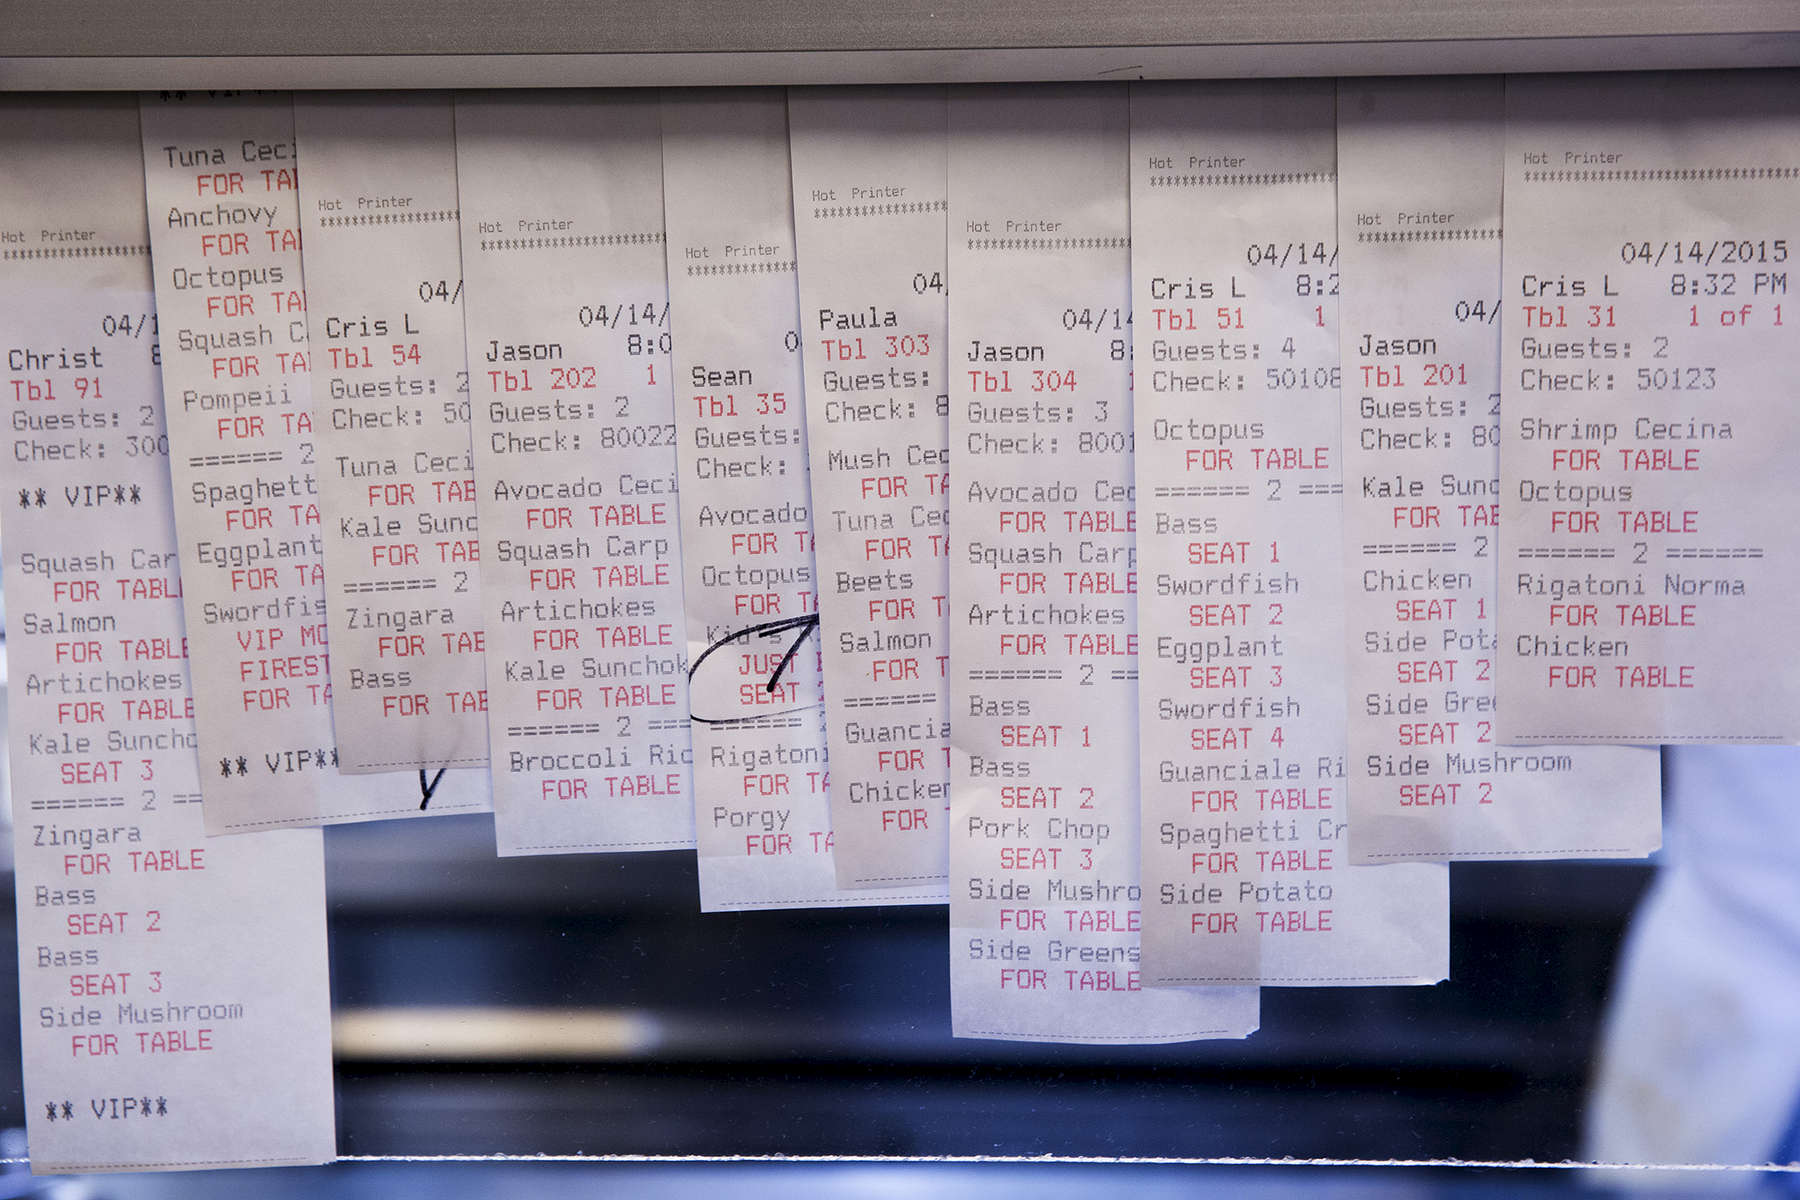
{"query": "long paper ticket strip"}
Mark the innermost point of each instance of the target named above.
(568, 323)
(1234, 248)
(1419, 229)
(1045, 900)
(396, 484)
(177, 1013)
(762, 821)
(1647, 438)
(222, 180)
(869, 185)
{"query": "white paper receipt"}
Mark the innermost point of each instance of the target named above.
(1647, 438)
(174, 991)
(568, 329)
(869, 186)
(1240, 480)
(223, 182)
(762, 822)
(1419, 226)
(396, 487)
(1045, 897)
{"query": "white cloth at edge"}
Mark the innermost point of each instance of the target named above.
(1700, 1059)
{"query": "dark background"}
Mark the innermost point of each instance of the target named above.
(827, 1031)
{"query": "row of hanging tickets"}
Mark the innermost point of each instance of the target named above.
(575, 470)
(1323, 520)
(1646, 487)
(761, 766)
(1045, 896)
(174, 987)
(869, 210)
(221, 174)
(1240, 472)
(396, 488)
(1419, 194)
(561, 788)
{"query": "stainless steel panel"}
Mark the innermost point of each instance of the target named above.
(115, 44)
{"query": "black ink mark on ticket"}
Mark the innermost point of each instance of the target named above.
(427, 787)
(701, 691)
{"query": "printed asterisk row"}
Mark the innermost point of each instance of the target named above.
(1427, 235)
(573, 240)
(76, 252)
(1087, 243)
(755, 268)
(1662, 174)
(1242, 180)
(880, 210)
(403, 218)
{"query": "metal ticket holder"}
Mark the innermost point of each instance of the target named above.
(116, 44)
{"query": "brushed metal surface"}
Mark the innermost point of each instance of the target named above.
(997, 65)
(116, 44)
(131, 28)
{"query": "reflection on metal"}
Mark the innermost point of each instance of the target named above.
(469, 1034)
